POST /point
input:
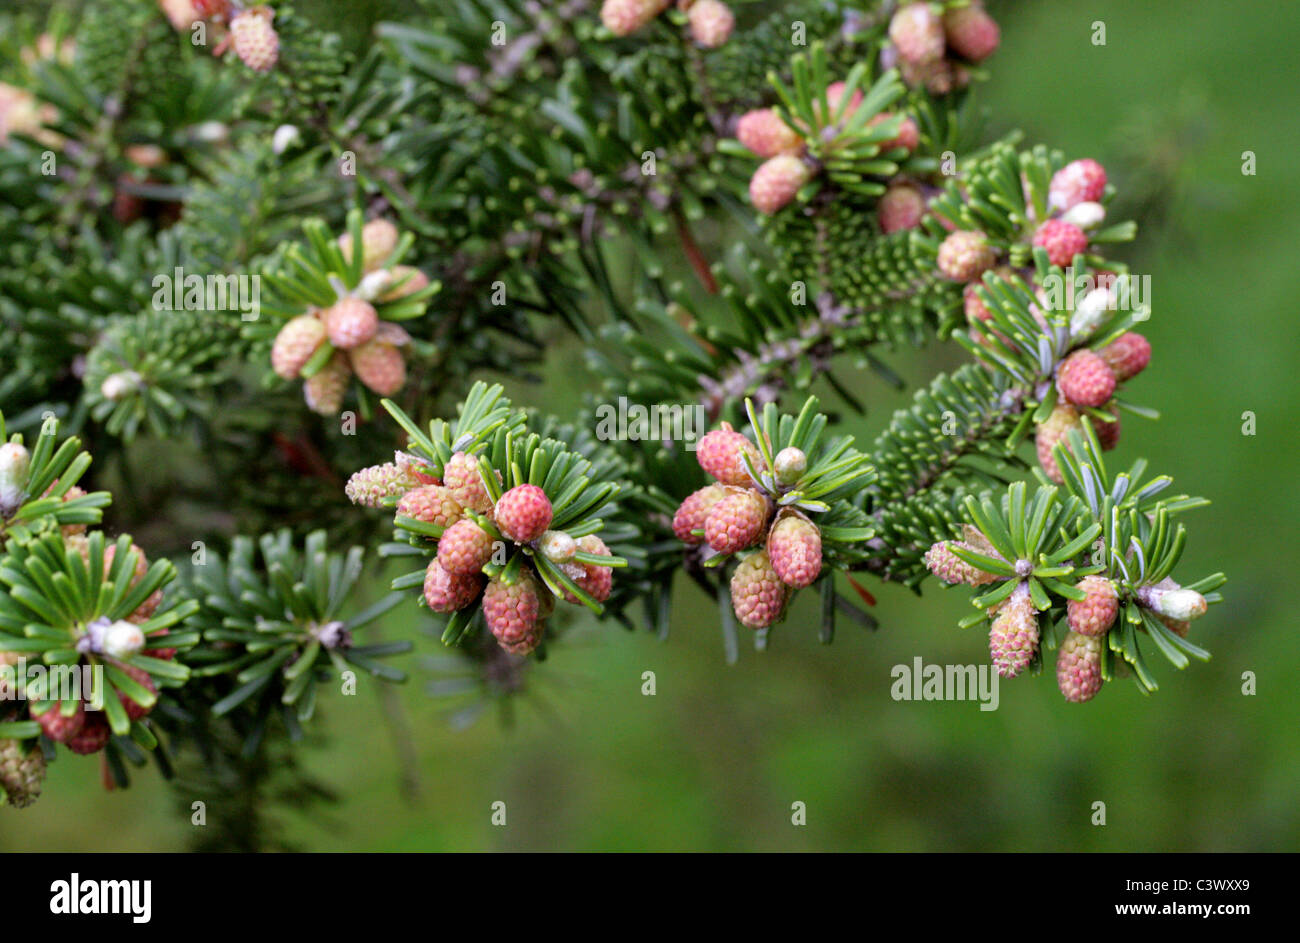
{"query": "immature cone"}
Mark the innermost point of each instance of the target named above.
(596, 581)
(721, 454)
(776, 182)
(22, 771)
(971, 32)
(965, 255)
(379, 238)
(694, 511)
(834, 96)
(908, 136)
(464, 548)
(1095, 615)
(447, 592)
(1014, 636)
(917, 33)
(406, 281)
(462, 478)
(737, 521)
(57, 726)
(350, 322)
(711, 22)
(764, 133)
(431, 504)
(294, 345)
(1084, 379)
(952, 569)
(94, 735)
(1078, 667)
(1127, 355)
(1062, 240)
(1080, 181)
(623, 17)
(523, 513)
(141, 567)
(794, 546)
(1061, 421)
(901, 207)
(757, 593)
(370, 486)
(324, 390)
(514, 613)
(255, 40)
(381, 367)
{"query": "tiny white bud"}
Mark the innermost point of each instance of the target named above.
(122, 640)
(790, 464)
(285, 137)
(118, 386)
(374, 284)
(1085, 215)
(1090, 312)
(210, 132)
(1181, 604)
(557, 546)
(15, 462)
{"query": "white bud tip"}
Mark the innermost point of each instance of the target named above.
(123, 639)
(557, 546)
(374, 284)
(1085, 215)
(285, 137)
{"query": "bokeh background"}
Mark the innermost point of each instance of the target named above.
(716, 758)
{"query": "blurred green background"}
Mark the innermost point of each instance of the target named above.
(716, 758)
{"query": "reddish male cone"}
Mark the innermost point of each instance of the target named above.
(1063, 418)
(721, 454)
(693, 512)
(764, 133)
(294, 345)
(406, 281)
(901, 207)
(794, 546)
(1095, 615)
(514, 613)
(965, 255)
(254, 38)
(776, 182)
(908, 136)
(58, 727)
(917, 33)
(737, 521)
(1078, 667)
(381, 367)
(1127, 355)
(379, 238)
(431, 504)
(1013, 639)
(351, 322)
(1084, 379)
(1107, 432)
(1080, 181)
(324, 390)
(448, 592)
(623, 17)
(757, 593)
(596, 581)
(952, 569)
(1062, 240)
(834, 96)
(93, 736)
(462, 479)
(523, 513)
(711, 22)
(971, 32)
(134, 709)
(464, 548)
